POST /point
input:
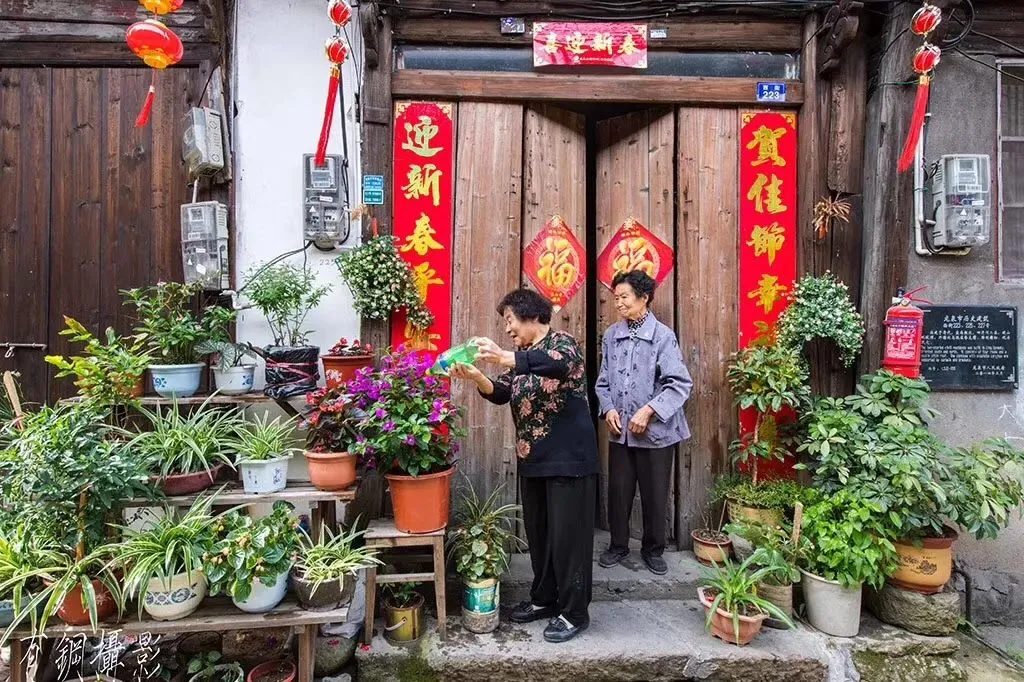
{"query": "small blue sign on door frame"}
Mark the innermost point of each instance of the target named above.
(771, 93)
(373, 190)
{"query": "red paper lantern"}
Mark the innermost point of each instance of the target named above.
(336, 50)
(339, 12)
(926, 58)
(925, 19)
(161, 6)
(155, 44)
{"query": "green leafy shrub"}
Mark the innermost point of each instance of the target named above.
(285, 294)
(106, 373)
(382, 282)
(820, 308)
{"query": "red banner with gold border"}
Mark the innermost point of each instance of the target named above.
(555, 262)
(768, 229)
(424, 192)
(590, 44)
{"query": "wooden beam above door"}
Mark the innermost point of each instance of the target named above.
(690, 34)
(537, 87)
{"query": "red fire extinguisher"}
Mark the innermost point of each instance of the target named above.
(904, 325)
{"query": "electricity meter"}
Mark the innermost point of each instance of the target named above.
(960, 199)
(204, 244)
(203, 142)
(324, 202)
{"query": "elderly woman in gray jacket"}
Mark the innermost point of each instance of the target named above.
(641, 389)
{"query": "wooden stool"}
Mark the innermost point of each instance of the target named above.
(381, 535)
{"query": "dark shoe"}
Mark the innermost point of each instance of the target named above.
(527, 612)
(611, 557)
(561, 630)
(656, 564)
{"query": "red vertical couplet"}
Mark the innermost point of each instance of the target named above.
(768, 230)
(424, 193)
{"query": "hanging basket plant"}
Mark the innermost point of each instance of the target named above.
(820, 308)
(382, 282)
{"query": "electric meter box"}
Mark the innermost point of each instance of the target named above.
(324, 202)
(203, 142)
(961, 199)
(204, 244)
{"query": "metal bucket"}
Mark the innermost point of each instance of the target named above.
(403, 623)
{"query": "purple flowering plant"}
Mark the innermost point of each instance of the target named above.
(409, 424)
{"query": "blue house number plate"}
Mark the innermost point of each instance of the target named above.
(771, 92)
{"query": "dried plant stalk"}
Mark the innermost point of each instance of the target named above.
(827, 211)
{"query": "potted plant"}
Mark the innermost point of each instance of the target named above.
(164, 561)
(849, 544)
(264, 449)
(252, 560)
(325, 573)
(186, 451)
(479, 544)
(403, 612)
(273, 671)
(206, 667)
(710, 544)
(109, 373)
(409, 433)
(167, 317)
(382, 282)
(767, 501)
(329, 437)
(231, 375)
(734, 611)
(779, 551)
(21, 555)
(285, 294)
(821, 308)
(344, 359)
(876, 445)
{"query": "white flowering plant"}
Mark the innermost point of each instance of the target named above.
(382, 282)
(821, 308)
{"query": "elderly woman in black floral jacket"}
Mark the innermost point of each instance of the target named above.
(545, 382)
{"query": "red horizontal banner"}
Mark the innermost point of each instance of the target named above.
(590, 44)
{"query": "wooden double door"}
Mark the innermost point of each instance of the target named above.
(672, 169)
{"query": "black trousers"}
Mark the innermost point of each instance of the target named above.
(558, 513)
(652, 469)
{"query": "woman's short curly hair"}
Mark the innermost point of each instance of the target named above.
(640, 282)
(527, 305)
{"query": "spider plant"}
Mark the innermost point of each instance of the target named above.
(261, 439)
(186, 443)
(168, 547)
(734, 589)
(332, 557)
(21, 554)
(483, 535)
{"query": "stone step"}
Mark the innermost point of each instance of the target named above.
(627, 640)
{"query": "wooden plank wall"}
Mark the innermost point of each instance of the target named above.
(102, 211)
(634, 179)
(707, 294)
(487, 263)
(555, 182)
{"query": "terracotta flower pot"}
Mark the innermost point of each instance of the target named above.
(421, 503)
(340, 369)
(331, 470)
(73, 612)
(925, 569)
(273, 671)
(187, 484)
(741, 512)
(709, 548)
(722, 624)
(139, 387)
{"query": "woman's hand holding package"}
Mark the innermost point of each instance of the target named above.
(492, 353)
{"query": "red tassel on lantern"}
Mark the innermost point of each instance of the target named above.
(325, 129)
(147, 108)
(916, 124)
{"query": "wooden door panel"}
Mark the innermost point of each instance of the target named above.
(707, 292)
(25, 221)
(555, 182)
(635, 178)
(486, 264)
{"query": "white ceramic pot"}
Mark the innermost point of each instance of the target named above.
(266, 476)
(177, 598)
(265, 598)
(176, 381)
(234, 380)
(832, 608)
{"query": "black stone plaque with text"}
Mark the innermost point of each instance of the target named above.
(969, 348)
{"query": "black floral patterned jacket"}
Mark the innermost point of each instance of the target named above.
(547, 389)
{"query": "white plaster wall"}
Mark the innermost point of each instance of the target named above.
(281, 86)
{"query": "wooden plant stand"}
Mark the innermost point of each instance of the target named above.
(382, 535)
